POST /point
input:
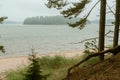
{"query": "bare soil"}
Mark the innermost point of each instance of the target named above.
(105, 70)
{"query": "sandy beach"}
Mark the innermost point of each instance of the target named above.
(12, 63)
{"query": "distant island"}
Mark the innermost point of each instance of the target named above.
(56, 20)
(48, 20)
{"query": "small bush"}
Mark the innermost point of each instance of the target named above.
(34, 71)
(16, 75)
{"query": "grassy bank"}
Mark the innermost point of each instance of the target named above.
(55, 66)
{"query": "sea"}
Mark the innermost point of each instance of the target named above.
(19, 39)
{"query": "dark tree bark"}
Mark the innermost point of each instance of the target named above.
(102, 27)
(117, 19)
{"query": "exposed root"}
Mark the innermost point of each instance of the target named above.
(114, 51)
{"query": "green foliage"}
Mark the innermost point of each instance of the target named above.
(90, 61)
(34, 71)
(56, 62)
(2, 19)
(58, 4)
(2, 49)
(56, 70)
(91, 47)
(56, 66)
(16, 75)
(81, 23)
(71, 12)
(76, 9)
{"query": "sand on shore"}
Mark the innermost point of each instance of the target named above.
(12, 63)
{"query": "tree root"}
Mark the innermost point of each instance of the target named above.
(114, 51)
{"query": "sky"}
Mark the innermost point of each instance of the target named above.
(18, 10)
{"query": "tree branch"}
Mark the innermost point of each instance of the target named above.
(110, 9)
(92, 38)
(83, 20)
(92, 8)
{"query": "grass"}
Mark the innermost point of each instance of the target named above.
(16, 75)
(91, 60)
(55, 66)
(56, 62)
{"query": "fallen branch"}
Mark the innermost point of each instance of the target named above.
(114, 51)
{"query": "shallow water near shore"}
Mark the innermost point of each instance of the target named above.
(19, 39)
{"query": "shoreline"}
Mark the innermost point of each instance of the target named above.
(15, 62)
(62, 53)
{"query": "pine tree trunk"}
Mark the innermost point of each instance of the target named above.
(116, 30)
(102, 27)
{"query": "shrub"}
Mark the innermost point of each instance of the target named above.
(34, 71)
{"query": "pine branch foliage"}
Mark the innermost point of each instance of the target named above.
(2, 19)
(71, 12)
(80, 24)
(76, 9)
(58, 4)
(2, 47)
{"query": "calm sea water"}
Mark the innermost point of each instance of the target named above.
(19, 39)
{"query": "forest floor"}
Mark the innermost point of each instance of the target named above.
(108, 69)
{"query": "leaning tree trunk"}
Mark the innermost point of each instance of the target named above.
(102, 27)
(117, 19)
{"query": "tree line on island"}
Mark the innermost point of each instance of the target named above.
(48, 20)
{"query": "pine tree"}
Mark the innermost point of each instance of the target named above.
(34, 71)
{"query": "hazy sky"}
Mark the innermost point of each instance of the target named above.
(18, 10)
